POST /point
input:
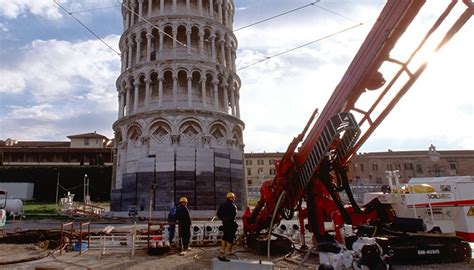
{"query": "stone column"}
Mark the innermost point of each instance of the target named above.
(221, 41)
(159, 53)
(228, 49)
(123, 60)
(188, 42)
(149, 38)
(203, 92)
(188, 7)
(140, 10)
(127, 19)
(232, 99)
(224, 86)
(162, 6)
(175, 90)
(219, 11)
(147, 91)
(132, 7)
(128, 88)
(139, 49)
(150, 7)
(135, 96)
(224, 18)
(201, 42)
(130, 51)
(216, 93)
(213, 47)
(237, 106)
(211, 8)
(175, 34)
(234, 56)
(121, 105)
(200, 7)
(160, 91)
(174, 7)
(190, 89)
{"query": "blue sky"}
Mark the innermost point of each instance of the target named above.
(56, 79)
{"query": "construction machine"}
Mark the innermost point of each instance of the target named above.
(313, 171)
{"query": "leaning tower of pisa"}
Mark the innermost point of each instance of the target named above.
(178, 131)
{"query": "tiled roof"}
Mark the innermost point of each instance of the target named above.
(88, 135)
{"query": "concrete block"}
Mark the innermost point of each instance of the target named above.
(241, 264)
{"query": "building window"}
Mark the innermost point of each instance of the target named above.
(260, 162)
(248, 162)
(397, 166)
(453, 168)
(271, 161)
(389, 167)
(249, 182)
(418, 168)
(408, 166)
(249, 171)
(375, 167)
(271, 171)
(86, 141)
(362, 167)
(260, 170)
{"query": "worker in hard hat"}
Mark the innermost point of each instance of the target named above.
(227, 212)
(184, 224)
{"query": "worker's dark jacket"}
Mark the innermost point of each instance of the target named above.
(184, 224)
(227, 212)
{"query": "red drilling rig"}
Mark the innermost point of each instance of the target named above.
(317, 172)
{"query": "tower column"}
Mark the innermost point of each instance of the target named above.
(128, 88)
(219, 11)
(147, 91)
(200, 7)
(140, 10)
(175, 34)
(190, 93)
(203, 92)
(129, 53)
(188, 7)
(237, 107)
(132, 11)
(175, 90)
(188, 42)
(232, 99)
(201, 43)
(216, 93)
(150, 8)
(224, 86)
(211, 8)
(221, 41)
(120, 97)
(160, 91)
(159, 53)
(138, 51)
(127, 19)
(149, 38)
(213, 47)
(228, 49)
(174, 7)
(162, 6)
(135, 96)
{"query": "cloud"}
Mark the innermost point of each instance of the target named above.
(47, 8)
(55, 81)
(43, 8)
(3, 27)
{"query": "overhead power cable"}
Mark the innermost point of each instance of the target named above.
(301, 46)
(93, 9)
(85, 26)
(276, 16)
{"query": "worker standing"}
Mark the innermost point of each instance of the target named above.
(184, 224)
(227, 212)
(172, 222)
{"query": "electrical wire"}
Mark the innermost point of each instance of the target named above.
(301, 46)
(85, 26)
(278, 15)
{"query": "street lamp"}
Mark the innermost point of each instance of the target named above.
(154, 181)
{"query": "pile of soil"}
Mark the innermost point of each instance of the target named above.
(45, 238)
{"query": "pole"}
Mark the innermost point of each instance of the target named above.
(84, 189)
(57, 189)
(154, 183)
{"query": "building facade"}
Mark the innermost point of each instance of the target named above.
(370, 168)
(82, 149)
(178, 131)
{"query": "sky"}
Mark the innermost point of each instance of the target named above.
(57, 79)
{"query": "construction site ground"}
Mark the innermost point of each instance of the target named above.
(39, 256)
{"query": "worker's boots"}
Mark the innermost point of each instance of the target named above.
(229, 249)
(222, 251)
